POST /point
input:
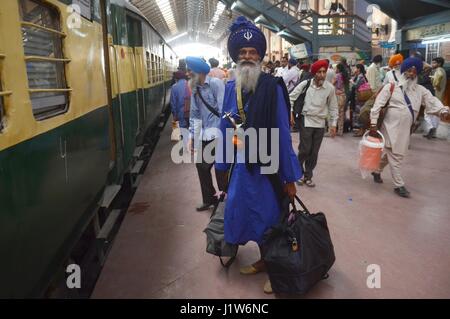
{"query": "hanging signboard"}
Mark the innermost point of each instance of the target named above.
(428, 31)
(298, 51)
(352, 57)
(387, 45)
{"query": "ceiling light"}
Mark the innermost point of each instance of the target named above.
(233, 5)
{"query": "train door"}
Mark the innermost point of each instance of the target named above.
(115, 102)
(140, 69)
(166, 86)
(134, 31)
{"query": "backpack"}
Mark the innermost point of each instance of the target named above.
(364, 114)
(300, 101)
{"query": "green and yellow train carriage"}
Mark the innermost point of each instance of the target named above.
(77, 95)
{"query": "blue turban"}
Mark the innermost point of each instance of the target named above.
(197, 65)
(293, 61)
(410, 62)
(245, 34)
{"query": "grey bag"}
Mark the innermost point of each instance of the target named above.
(215, 243)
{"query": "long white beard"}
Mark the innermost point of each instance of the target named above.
(194, 81)
(247, 75)
(407, 83)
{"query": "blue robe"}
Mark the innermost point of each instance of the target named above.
(252, 205)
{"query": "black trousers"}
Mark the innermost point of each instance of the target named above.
(205, 177)
(308, 149)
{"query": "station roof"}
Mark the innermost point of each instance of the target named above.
(207, 21)
(181, 21)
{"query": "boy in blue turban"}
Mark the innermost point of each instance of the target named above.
(404, 106)
(259, 101)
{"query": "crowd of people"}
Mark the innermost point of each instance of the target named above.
(314, 99)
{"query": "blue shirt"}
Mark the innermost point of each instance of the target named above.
(252, 205)
(204, 123)
(178, 94)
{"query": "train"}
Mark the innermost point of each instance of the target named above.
(81, 84)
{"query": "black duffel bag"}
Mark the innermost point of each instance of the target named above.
(297, 252)
(215, 242)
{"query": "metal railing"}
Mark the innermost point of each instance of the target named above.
(38, 26)
(336, 25)
(46, 58)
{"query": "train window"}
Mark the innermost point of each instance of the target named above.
(3, 95)
(45, 63)
(149, 70)
(167, 72)
(85, 8)
(2, 110)
(153, 68)
(159, 69)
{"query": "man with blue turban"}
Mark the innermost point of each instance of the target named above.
(206, 107)
(180, 101)
(260, 103)
(292, 76)
(401, 113)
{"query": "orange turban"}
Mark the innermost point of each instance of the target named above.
(395, 59)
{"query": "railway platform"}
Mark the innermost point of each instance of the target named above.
(159, 251)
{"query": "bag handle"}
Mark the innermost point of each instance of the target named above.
(408, 103)
(391, 90)
(395, 76)
(286, 214)
(209, 107)
(305, 209)
(229, 262)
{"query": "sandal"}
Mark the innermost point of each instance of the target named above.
(249, 270)
(300, 182)
(268, 287)
(309, 183)
(252, 269)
